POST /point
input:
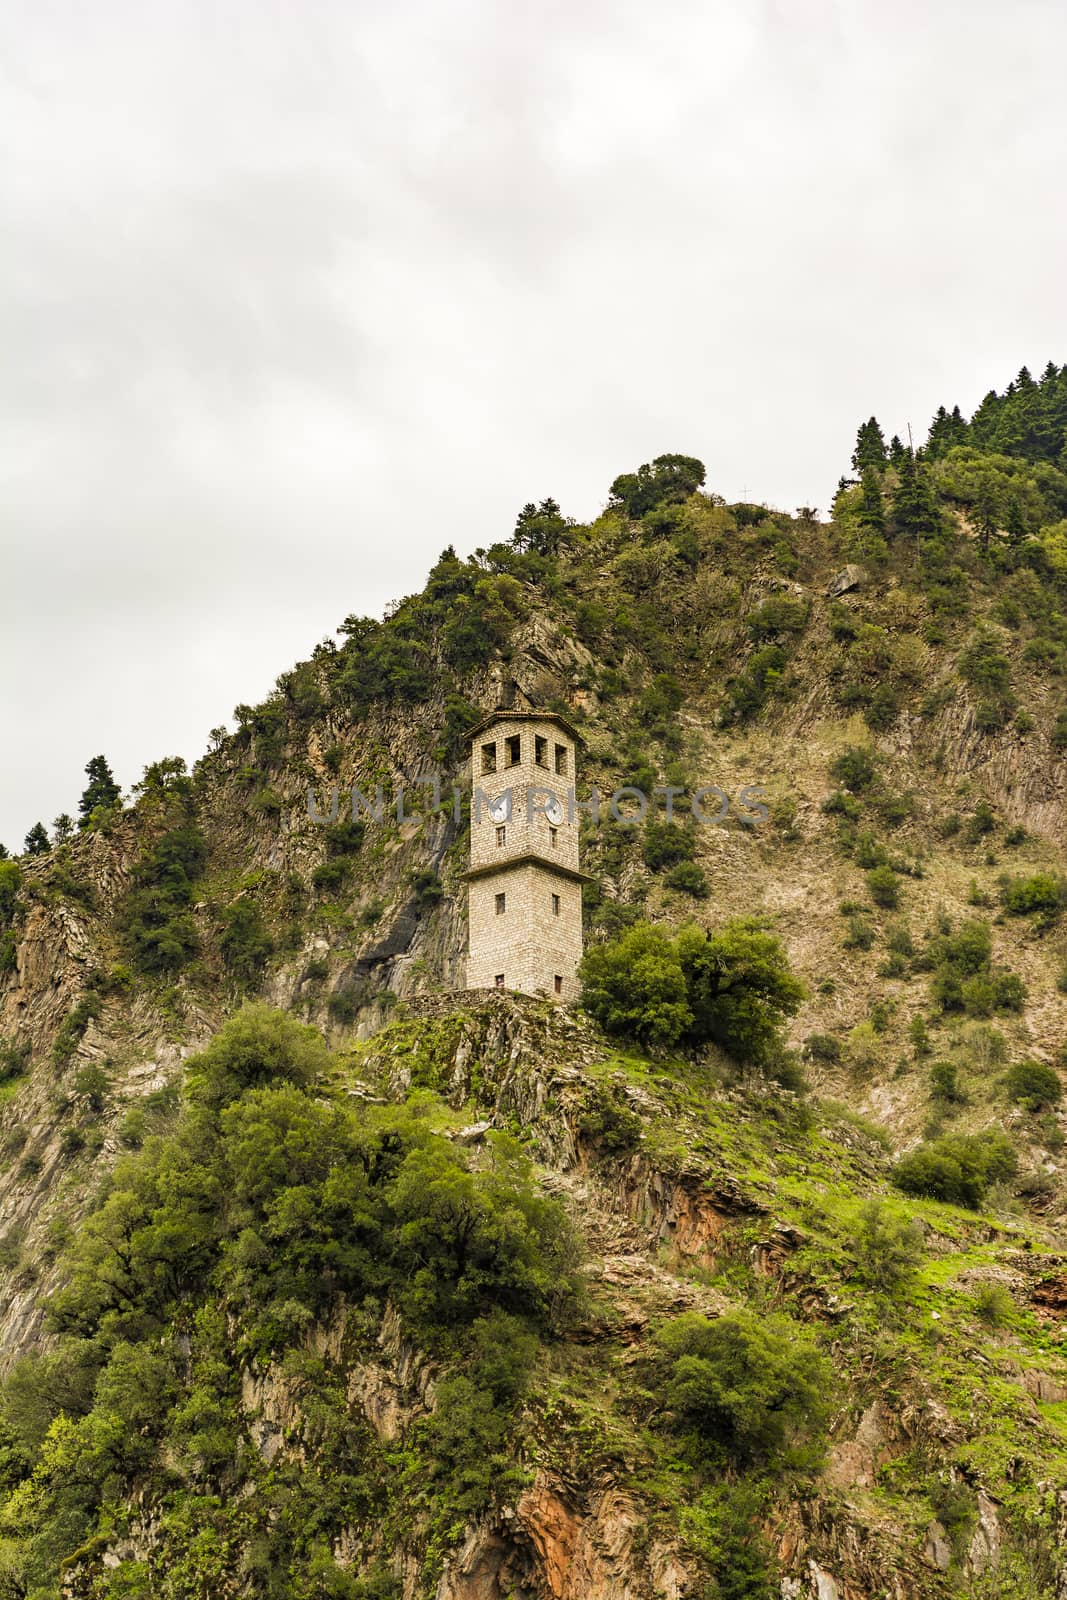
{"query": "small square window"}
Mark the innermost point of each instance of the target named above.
(501, 836)
(555, 905)
(489, 757)
(500, 900)
(553, 838)
(561, 758)
(498, 981)
(514, 749)
(558, 982)
(540, 750)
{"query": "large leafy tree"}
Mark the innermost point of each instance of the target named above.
(740, 988)
(668, 480)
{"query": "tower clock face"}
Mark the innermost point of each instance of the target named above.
(500, 808)
(554, 813)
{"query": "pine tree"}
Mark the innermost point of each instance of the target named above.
(1015, 522)
(872, 510)
(102, 790)
(4, 853)
(37, 840)
(986, 510)
(63, 829)
(870, 447)
(897, 451)
(914, 509)
(947, 429)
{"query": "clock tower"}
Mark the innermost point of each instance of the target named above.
(525, 889)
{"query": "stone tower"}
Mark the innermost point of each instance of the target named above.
(525, 889)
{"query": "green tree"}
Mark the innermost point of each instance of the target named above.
(668, 480)
(870, 451)
(749, 1384)
(914, 510)
(635, 986)
(246, 943)
(257, 1047)
(888, 1248)
(1033, 1085)
(101, 792)
(63, 829)
(37, 840)
(740, 989)
(871, 513)
(540, 529)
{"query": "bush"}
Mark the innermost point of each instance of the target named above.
(945, 1084)
(10, 883)
(888, 1248)
(993, 1305)
(1033, 1085)
(245, 943)
(958, 1168)
(608, 1122)
(822, 1047)
(840, 804)
(1043, 896)
(780, 613)
(884, 887)
(666, 844)
(690, 878)
(155, 919)
(854, 769)
(859, 936)
(747, 1384)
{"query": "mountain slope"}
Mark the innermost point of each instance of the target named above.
(906, 723)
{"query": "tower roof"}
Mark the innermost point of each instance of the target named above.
(501, 714)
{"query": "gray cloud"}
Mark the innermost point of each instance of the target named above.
(292, 296)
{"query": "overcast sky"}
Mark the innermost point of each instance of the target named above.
(292, 295)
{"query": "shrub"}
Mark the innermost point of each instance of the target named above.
(690, 878)
(14, 1059)
(860, 934)
(1033, 1085)
(884, 887)
(888, 1248)
(763, 675)
(840, 804)
(958, 1168)
(426, 887)
(945, 1084)
(993, 1305)
(748, 1384)
(854, 769)
(779, 613)
(10, 882)
(155, 919)
(822, 1047)
(245, 943)
(331, 873)
(1043, 896)
(666, 844)
(608, 1122)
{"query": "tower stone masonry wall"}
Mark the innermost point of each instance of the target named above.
(533, 942)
